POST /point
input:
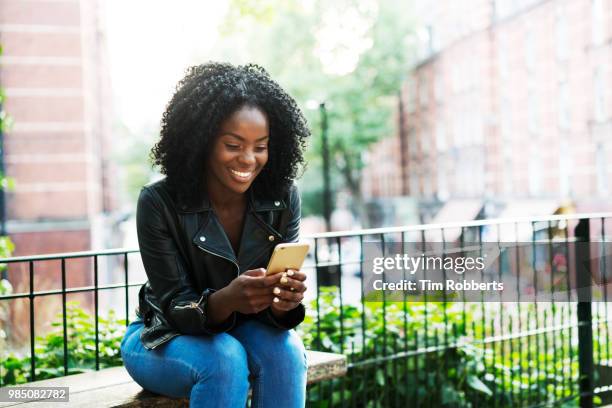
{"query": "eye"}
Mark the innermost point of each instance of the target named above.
(231, 146)
(261, 148)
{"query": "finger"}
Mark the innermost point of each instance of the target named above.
(298, 286)
(287, 295)
(296, 274)
(272, 280)
(260, 281)
(255, 272)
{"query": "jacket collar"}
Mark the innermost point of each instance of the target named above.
(258, 235)
(256, 204)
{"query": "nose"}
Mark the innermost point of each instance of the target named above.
(247, 157)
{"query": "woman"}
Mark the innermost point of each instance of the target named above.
(211, 323)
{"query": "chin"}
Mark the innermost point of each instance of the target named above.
(239, 188)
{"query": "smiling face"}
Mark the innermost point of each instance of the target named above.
(239, 152)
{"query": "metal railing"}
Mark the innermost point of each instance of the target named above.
(423, 353)
(527, 354)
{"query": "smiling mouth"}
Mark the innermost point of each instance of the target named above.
(241, 175)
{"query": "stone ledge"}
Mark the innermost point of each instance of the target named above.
(113, 387)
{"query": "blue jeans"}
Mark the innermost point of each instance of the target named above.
(214, 371)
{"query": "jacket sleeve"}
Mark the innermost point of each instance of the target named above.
(295, 316)
(167, 271)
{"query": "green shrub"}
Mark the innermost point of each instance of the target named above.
(49, 350)
(465, 373)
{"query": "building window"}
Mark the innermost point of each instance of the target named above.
(533, 112)
(472, 72)
(438, 86)
(458, 131)
(423, 91)
(440, 138)
(597, 22)
(442, 178)
(476, 130)
(413, 183)
(530, 49)
(601, 168)
(425, 137)
(502, 57)
(535, 172)
(412, 96)
(413, 148)
(478, 173)
(505, 118)
(459, 171)
(599, 90)
(565, 166)
(507, 173)
(428, 191)
(563, 101)
(561, 33)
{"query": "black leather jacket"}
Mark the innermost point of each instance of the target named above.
(185, 251)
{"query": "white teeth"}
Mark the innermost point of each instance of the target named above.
(241, 174)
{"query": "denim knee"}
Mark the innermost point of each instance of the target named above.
(232, 364)
(286, 354)
(294, 353)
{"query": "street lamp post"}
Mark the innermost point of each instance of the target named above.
(325, 154)
(327, 275)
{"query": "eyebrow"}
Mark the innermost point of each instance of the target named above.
(242, 138)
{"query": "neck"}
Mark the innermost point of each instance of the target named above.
(223, 198)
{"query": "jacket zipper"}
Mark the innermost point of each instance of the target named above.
(224, 257)
(192, 305)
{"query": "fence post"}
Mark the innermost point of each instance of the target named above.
(585, 328)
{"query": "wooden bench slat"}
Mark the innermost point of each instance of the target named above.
(113, 387)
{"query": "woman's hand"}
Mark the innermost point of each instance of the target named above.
(289, 292)
(251, 292)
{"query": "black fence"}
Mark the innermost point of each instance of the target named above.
(401, 353)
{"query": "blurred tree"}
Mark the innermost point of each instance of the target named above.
(350, 54)
(132, 152)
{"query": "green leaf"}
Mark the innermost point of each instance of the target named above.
(380, 377)
(478, 385)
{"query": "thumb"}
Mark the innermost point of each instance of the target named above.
(256, 272)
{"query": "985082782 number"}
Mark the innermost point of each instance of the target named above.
(15, 394)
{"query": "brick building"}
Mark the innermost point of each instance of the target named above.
(54, 73)
(508, 100)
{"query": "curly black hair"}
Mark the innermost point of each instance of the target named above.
(205, 97)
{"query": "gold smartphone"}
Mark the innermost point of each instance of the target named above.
(287, 256)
